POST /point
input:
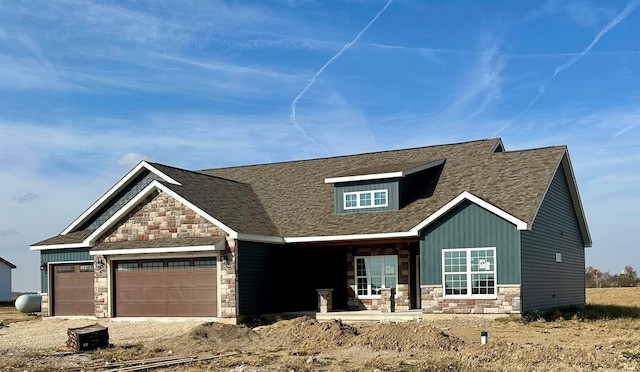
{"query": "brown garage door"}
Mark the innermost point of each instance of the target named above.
(172, 288)
(73, 289)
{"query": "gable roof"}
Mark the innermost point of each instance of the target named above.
(293, 201)
(12, 266)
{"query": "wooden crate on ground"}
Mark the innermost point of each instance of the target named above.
(88, 337)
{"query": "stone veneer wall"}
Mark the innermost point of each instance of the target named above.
(228, 283)
(403, 301)
(101, 287)
(44, 305)
(507, 302)
(162, 217)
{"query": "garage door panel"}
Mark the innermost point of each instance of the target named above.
(73, 292)
(179, 288)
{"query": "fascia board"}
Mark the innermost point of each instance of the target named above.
(57, 246)
(201, 248)
(520, 225)
(378, 176)
(312, 239)
(154, 185)
(260, 238)
(572, 185)
(113, 190)
(366, 177)
(575, 198)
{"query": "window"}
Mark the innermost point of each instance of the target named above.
(128, 266)
(204, 264)
(374, 273)
(469, 272)
(86, 268)
(178, 265)
(152, 266)
(365, 199)
(66, 269)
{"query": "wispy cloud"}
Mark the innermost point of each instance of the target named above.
(348, 45)
(26, 198)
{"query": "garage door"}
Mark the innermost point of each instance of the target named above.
(73, 289)
(166, 288)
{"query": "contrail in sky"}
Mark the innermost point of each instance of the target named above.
(619, 18)
(631, 7)
(348, 45)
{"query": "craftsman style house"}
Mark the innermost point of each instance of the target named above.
(457, 228)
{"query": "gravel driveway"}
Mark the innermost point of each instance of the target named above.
(52, 333)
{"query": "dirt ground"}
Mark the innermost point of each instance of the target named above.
(606, 337)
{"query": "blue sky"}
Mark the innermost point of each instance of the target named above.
(88, 89)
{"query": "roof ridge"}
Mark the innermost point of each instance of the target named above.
(351, 155)
(196, 172)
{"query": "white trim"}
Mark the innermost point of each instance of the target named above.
(498, 144)
(468, 272)
(164, 256)
(154, 185)
(156, 250)
(311, 239)
(371, 194)
(368, 276)
(113, 190)
(68, 262)
(57, 246)
(520, 225)
(260, 238)
(414, 232)
(378, 176)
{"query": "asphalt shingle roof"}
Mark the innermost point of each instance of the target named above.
(300, 204)
(291, 199)
(158, 243)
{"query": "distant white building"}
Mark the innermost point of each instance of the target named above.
(5, 279)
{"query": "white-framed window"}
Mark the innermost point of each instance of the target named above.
(366, 199)
(469, 272)
(374, 273)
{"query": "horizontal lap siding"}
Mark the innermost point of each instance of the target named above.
(546, 283)
(61, 255)
(470, 226)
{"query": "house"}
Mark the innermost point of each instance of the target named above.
(456, 228)
(5, 279)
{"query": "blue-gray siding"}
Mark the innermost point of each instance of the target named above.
(470, 226)
(392, 194)
(61, 255)
(275, 278)
(119, 200)
(548, 284)
(255, 273)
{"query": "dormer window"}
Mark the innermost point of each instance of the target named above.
(366, 199)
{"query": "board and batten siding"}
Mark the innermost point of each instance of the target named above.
(390, 185)
(255, 273)
(125, 195)
(547, 284)
(470, 226)
(61, 255)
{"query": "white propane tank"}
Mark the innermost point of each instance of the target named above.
(29, 303)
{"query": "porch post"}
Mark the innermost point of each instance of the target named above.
(388, 300)
(325, 299)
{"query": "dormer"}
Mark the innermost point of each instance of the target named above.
(387, 187)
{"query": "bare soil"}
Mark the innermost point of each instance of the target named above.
(609, 343)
